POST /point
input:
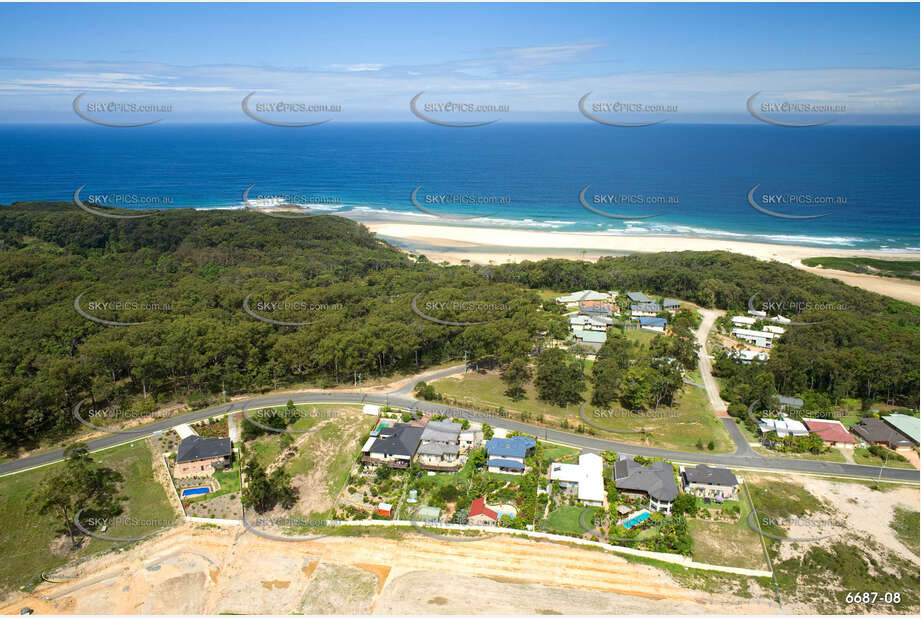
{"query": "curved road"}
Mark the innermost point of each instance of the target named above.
(401, 398)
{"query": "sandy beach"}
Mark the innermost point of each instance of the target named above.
(482, 245)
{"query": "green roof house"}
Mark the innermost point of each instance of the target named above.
(908, 425)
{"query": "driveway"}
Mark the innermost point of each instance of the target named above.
(719, 406)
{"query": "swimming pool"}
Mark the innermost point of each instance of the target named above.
(504, 510)
(195, 491)
(637, 519)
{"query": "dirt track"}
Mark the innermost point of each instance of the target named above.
(192, 570)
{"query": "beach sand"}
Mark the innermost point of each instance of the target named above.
(483, 245)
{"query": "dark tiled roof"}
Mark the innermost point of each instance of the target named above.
(400, 439)
(657, 479)
(874, 430)
(194, 448)
(710, 476)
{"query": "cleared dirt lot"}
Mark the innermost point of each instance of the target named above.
(194, 570)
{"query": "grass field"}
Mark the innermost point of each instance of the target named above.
(728, 543)
(266, 448)
(566, 519)
(32, 543)
(901, 269)
(906, 527)
(679, 428)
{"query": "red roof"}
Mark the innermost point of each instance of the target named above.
(478, 507)
(829, 431)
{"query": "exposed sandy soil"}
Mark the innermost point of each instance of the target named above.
(859, 512)
(196, 570)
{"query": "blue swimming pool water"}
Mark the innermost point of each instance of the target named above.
(196, 491)
(637, 519)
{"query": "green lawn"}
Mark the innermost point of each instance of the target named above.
(557, 452)
(679, 428)
(229, 480)
(26, 537)
(863, 456)
(566, 519)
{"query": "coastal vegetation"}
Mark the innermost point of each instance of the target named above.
(901, 269)
(212, 295)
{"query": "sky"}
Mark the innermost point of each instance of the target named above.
(703, 60)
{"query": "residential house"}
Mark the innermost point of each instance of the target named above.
(648, 310)
(507, 455)
(742, 321)
(904, 424)
(656, 324)
(832, 433)
(875, 431)
(747, 356)
(470, 438)
(199, 456)
(638, 297)
(706, 482)
(789, 402)
(584, 480)
(779, 319)
(590, 322)
(480, 515)
(777, 330)
(596, 309)
(757, 314)
(576, 297)
(655, 481)
(755, 337)
(384, 509)
(783, 427)
(670, 304)
(595, 338)
(394, 445)
(439, 446)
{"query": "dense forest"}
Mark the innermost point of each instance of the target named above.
(211, 297)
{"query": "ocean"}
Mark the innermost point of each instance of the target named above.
(710, 181)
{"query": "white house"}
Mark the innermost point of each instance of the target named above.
(759, 338)
(576, 297)
(584, 480)
(783, 426)
(747, 356)
(777, 330)
(741, 320)
(757, 314)
(779, 319)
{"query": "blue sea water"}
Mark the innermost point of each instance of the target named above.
(533, 173)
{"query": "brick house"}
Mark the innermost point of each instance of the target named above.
(199, 456)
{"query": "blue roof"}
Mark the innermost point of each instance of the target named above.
(506, 463)
(516, 446)
(652, 321)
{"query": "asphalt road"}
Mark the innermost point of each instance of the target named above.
(742, 458)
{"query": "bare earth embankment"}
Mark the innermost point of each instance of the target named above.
(195, 570)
